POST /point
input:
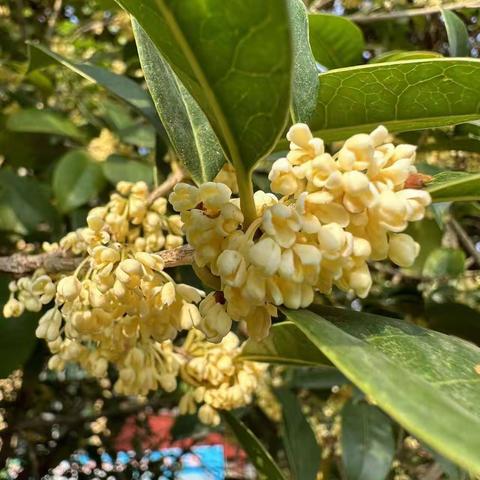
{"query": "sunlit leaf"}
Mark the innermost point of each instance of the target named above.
(336, 41)
(423, 379)
(402, 96)
(305, 74)
(455, 187)
(402, 55)
(457, 34)
(187, 127)
(234, 58)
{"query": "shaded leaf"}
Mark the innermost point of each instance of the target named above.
(120, 85)
(316, 378)
(300, 443)
(336, 41)
(285, 345)
(17, 335)
(140, 135)
(234, 58)
(444, 262)
(117, 168)
(31, 120)
(402, 96)
(368, 444)
(438, 398)
(305, 74)
(457, 34)
(76, 180)
(455, 187)
(27, 206)
(187, 127)
(258, 455)
(448, 316)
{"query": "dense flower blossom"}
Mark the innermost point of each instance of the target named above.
(335, 213)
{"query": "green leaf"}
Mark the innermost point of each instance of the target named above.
(457, 33)
(402, 96)
(138, 134)
(122, 87)
(368, 445)
(429, 235)
(444, 262)
(26, 205)
(402, 55)
(336, 41)
(305, 74)
(234, 58)
(300, 443)
(455, 187)
(117, 168)
(285, 345)
(446, 315)
(315, 378)
(31, 120)
(17, 335)
(258, 455)
(423, 379)
(76, 180)
(187, 127)
(17, 341)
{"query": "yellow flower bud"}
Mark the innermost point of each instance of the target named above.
(69, 287)
(13, 308)
(403, 250)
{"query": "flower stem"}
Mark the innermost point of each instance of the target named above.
(245, 190)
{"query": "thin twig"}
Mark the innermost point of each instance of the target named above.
(378, 17)
(162, 190)
(465, 240)
(58, 261)
(52, 20)
(317, 5)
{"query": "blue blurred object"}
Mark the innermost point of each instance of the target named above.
(200, 463)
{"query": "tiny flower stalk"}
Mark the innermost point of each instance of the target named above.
(245, 191)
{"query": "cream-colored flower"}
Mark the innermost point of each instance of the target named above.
(402, 249)
(215, 322)
(282, 223)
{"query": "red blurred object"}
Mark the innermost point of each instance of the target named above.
(158, 436)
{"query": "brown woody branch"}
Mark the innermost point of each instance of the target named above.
(59, 261)
(162, 190)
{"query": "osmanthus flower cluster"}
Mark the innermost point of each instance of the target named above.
(119, 305)
(216, 377)
(334, 214)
